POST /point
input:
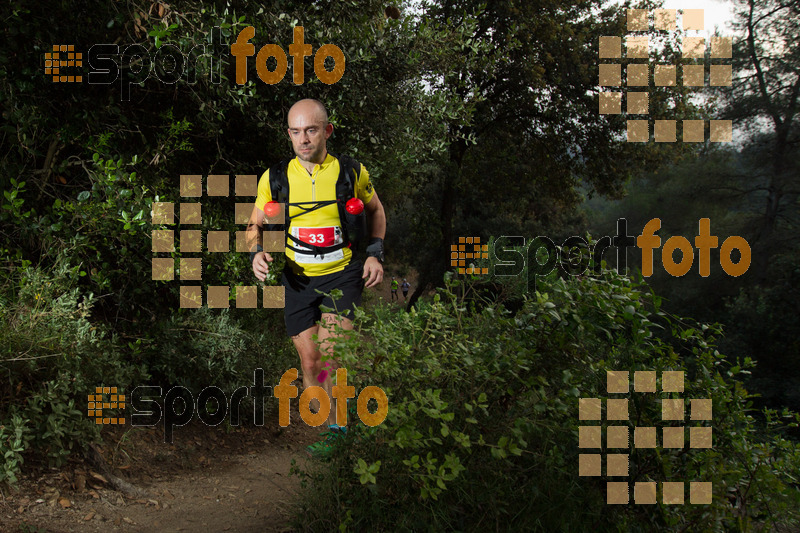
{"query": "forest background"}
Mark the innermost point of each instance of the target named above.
(474, 119)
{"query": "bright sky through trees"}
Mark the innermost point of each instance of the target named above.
(715, 12)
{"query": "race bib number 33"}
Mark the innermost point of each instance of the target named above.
(316, 236)
(326, 236)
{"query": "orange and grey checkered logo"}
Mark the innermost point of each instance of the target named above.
(639, 74)
(106, 398)
(466, 249)
(617, 437)
(63, 56)
(190, 242)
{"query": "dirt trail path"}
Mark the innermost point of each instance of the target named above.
(207, 480)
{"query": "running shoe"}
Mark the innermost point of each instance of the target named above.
(324, 448)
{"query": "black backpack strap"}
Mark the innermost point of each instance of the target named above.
(279, 181)
(349, 171)
(279, 188)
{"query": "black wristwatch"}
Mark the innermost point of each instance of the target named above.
(375, 248)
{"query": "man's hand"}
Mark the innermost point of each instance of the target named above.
(373, 271)
(261, 265)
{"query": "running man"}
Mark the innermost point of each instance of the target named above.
(318, 256)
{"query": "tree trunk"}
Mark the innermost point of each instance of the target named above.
(781, 123)
(433, 273)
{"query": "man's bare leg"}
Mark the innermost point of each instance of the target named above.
(327, 336)
(311, 356)
(310, 359)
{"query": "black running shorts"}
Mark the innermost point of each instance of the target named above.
(302, 301)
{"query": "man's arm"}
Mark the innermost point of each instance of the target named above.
(254, 232)
(376, 217)
(373, 269)
(255, 229)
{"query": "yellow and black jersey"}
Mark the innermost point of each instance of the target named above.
(322, 226)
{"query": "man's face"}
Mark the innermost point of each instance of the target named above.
(309, 133)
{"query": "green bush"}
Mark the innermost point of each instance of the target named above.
(765, 322)
(14, 439)
(198, 348)
(51, 356)
(482, 426)
(53, 352)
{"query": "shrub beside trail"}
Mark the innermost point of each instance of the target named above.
(482, 428)
(54, 352)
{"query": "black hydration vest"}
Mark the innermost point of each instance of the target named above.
(354, 227)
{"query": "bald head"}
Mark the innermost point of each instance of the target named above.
(310, 110)
(309, 131)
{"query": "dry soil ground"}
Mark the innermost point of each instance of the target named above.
(207, 480)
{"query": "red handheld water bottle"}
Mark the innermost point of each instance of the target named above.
(354, 206)
(272, 209)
